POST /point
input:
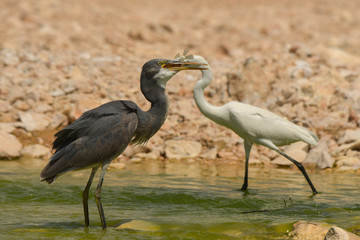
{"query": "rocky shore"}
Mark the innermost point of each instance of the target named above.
(61, 58)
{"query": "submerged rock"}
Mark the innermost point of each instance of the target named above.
(140, 225)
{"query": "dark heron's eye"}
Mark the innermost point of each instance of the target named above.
(161, 63)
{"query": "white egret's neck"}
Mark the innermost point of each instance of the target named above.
(205, 107)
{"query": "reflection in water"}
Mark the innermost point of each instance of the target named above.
(180, 199)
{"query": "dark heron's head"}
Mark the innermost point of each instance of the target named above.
(157, 72)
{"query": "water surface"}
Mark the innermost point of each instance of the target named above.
(177, 200)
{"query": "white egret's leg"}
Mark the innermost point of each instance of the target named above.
(301, 168)
(247, 156)
(98, 195)
(85, 196)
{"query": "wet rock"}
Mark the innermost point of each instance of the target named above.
(316, 231)
(34, 121)
(297, 150)
(336, 233)
(10, 146)
(209, 154)
(319, 156)
(308, 231)
(36, 151)
(180, 149)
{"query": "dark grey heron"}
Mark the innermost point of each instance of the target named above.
(103, 133)
(253, 124)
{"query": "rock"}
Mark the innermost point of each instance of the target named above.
(83, 103)
(179, 149)
(10, 59)
(315, 231)
(339, 58)
(154, 154)
(117, 165)
(350, 146)
(139, 225)
(5, 106)
(36, 151)
(34, 121)
(349, 136)
(336, 233)
(210, 154)
(21, 105)
(301, 68)
(320, 156)
(43, 108)
(348, 75)
(15, 93)
(7, 127)
(58, 119)
(10, 146)
(346, 162)
(57, 93)
(308, 231)
(295, 150)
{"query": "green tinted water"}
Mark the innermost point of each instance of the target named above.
(173, 201)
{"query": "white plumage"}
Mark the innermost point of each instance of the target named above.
(253, 124)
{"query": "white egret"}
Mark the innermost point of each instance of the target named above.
(253, 124)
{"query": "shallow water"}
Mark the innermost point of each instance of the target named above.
(173, 201)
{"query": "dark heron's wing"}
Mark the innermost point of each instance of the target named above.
(98, 135)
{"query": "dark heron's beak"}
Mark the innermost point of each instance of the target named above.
(176, 65)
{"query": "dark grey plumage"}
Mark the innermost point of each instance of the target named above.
(103, 133)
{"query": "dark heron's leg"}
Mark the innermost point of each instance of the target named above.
(247, 156)
(301, 168)
(85, 196)
(98, 195)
